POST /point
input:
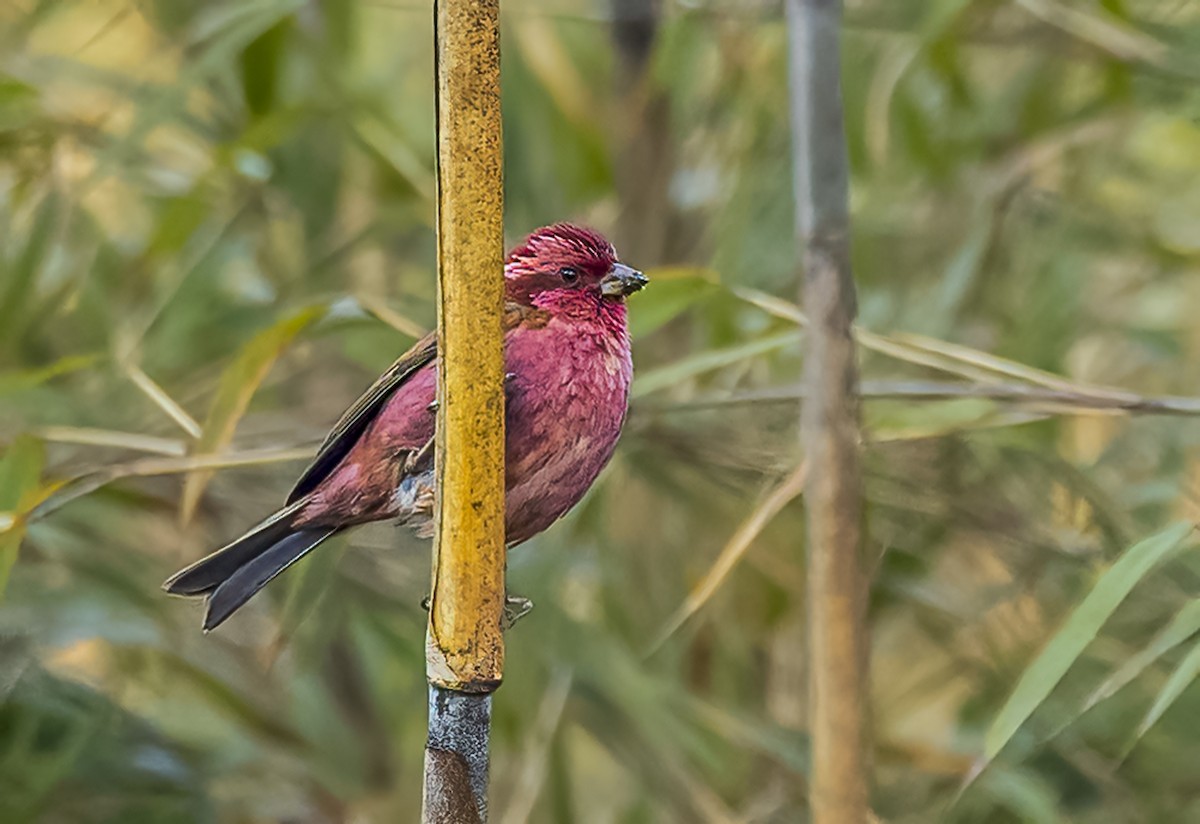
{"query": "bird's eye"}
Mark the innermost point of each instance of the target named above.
(569, 274)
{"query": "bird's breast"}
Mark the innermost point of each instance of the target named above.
(566, 402)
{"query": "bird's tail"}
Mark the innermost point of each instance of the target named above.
(233, 574)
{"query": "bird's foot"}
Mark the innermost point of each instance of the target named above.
(516, 607)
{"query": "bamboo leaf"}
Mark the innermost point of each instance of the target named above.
(676, 289)
(22, 273)
(1028, 795)
(262, 64)
(18, 380)
(1180, 680)
(1183, 626)
(238, 384)
(702, 362)
(1077, 632)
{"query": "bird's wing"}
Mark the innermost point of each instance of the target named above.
(357, 418)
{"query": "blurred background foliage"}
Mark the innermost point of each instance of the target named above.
(216, 228)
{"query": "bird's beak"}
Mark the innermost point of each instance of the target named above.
(622, 280)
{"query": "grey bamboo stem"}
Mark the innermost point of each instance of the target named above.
(829, 421)
(456, 757)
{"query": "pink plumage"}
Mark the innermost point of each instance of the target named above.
(568, 363)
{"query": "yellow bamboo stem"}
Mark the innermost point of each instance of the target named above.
(464, 647)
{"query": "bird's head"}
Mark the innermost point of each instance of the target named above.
(565, 264)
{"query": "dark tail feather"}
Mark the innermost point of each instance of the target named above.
(210, 571)
(256, 573)
(232, 574)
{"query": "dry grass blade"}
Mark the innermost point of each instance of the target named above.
(162, 400)
(944, 356)
(785, 310)
(1045, 399)
(89, 482)
(88, 436)
(771, 304)
(918, 357)
(732, 553)
(379, 309)
(992, 363)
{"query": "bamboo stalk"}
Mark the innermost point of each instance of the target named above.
(829, 421)
(464, 649)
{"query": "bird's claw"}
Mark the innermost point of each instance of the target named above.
(516, 607)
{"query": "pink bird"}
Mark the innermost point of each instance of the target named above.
(568, 364)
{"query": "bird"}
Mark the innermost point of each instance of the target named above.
(568, 370)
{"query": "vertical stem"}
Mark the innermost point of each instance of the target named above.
(464, 648)
(830, 421)
(456, 757)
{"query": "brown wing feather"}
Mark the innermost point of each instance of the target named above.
(357, 418)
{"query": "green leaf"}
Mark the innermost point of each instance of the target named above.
(1183, 626)
(18, 380)
(20, 472)
(1030, 796)
(239, 382)
(22, 275)
(178, 219)
(702, 362)
(1080, 628)
(18, 103)
(673, 291)
(1180, 680)
(262, 63)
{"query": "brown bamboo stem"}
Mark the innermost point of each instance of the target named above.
(464, 648)
(829, 421)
